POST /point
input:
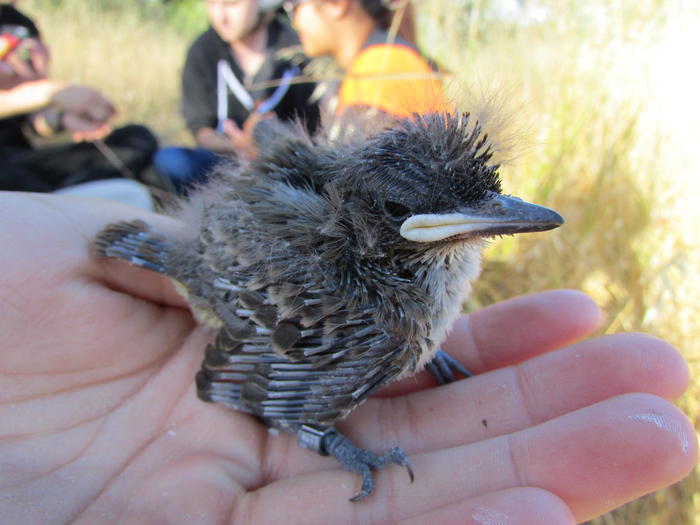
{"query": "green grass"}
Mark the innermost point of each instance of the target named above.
(599, 100)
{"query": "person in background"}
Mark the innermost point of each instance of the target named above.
(32, 107)
(243, 48)
(383, 71)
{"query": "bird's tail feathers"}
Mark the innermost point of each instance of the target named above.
(134, 242)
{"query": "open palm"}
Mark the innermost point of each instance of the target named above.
(100, 423)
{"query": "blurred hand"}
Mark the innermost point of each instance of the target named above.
(86, 104)
(38, 63)
(39, 56)
(84, 130)
(8, 78)
(100, 423)
(242, 138)
(28, 61)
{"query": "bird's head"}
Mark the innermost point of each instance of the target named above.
(430, 180)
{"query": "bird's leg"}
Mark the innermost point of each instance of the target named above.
(442, 368)
(329, 441)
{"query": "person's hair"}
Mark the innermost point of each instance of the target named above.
(384, 11)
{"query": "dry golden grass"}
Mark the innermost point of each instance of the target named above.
(605, 92)
(612, 145)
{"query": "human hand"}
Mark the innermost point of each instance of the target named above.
(242, 138)
(84, 130)
(100, 423)
(84, 103)
(8, 78)
(39, 56)
(26, 62)
(80, 129)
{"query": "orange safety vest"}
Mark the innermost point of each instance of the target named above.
(394, 79)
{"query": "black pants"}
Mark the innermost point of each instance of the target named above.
(54, 167)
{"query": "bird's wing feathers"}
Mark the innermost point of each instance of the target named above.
(291, 374)
(134, 242)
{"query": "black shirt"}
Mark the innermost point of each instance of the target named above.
(199, 81)
(11, 128)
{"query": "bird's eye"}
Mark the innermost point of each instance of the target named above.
(396, 210)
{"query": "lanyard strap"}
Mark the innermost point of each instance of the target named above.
(227, 80)
(281, 91)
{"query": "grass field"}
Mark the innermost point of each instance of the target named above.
(607, 112)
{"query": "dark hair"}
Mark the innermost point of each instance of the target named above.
(377, 9)
(383, 15)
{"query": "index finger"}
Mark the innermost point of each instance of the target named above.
(511, 332)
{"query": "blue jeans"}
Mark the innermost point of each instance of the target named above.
(185, 167)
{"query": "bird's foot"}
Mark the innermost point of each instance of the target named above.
(331, 442)
(443, 367)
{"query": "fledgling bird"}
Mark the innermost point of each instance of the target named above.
(332, 269)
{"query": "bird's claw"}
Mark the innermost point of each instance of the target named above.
(443, 367)
(357, 460)
(361, 461)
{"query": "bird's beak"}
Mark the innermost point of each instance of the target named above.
(498, 215)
